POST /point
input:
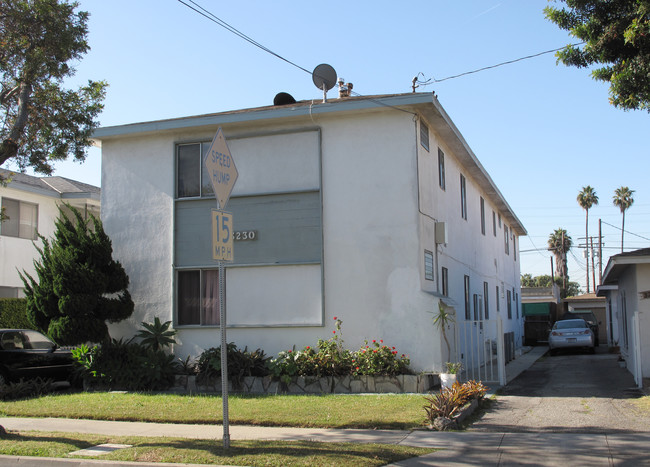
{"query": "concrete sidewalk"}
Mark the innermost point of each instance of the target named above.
(456, 448)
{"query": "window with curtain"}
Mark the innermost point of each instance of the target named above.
(198, 298)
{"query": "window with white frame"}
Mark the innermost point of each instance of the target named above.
(424, 135)
(467, 303)
(486, 301)
(441, 169)
(428, 265)
(463, 197)
(21, 219)
(444, 272)
(482, 216)
(198, 297)
(192, 180)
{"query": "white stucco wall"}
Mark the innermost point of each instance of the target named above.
(18, 254)
(376, 225)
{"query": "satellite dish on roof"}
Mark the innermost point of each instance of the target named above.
(324, 77)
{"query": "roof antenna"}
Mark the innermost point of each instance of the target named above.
(324, 77)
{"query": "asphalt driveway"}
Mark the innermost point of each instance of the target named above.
(570, 392)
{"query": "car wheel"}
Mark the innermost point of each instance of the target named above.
(552, 352)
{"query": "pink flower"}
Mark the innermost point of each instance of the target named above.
(374, 351)
(393, 348)
(289, 351)
(374, 341)
(307, 347)
(381, 340)
(335, 318)
(333, 332)
(357, 368)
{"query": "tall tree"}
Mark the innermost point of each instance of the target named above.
(79, 286)
(615, 35)
(559, 243)
(623, 199)
(41, 121)
(586, 199)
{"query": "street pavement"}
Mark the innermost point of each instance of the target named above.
(469, 448)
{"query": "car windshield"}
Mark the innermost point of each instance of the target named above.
(570, 324)
(36, 340)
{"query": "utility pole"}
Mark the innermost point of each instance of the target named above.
(593, 269)
(600, 252)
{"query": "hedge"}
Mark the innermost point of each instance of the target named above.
(13, 314)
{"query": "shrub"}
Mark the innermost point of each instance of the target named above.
(333, 359)
(13, 314)
(378, 359)
(449, 401)
(120, 364)
(29, 388)
(157, 335)
(241, 363)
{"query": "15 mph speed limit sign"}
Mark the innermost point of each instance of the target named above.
(222, 235)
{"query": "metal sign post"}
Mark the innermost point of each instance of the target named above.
(222, 172)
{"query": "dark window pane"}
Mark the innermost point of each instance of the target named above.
(188, 170)
(206, 184)
(189, 291)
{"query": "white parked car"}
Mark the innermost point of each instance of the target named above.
(571, 333)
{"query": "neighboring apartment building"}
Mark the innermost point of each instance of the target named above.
(31, 205)
(626, 288)
(371, 210)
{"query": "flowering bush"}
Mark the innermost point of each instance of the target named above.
(333, 359)
(379, 359)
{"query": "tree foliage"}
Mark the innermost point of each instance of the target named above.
(616, 35)
(586, 199)
(559, 243)
(79, 285)
(41, 121)
(572, 289)
(623, 199)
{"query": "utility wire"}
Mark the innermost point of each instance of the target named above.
(433, 80)
(627, 231)
(215, 19)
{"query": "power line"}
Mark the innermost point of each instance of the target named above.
(627, 231)
(433, 80)
(215, 19)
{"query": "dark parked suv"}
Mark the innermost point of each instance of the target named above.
(589, 317)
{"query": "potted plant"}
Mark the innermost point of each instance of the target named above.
(442, 320)
(448, 377)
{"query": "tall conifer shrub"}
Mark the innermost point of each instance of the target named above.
(79, 287)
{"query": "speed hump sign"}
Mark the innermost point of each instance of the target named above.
(222, 235)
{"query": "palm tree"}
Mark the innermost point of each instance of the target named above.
(586, 199)
(623, 199)
(560, 243)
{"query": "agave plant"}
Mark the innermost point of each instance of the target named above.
(157, 335)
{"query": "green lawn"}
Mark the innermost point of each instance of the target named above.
(377, 411)
(248, 453)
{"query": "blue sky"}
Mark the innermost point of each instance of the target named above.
(542, 131)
